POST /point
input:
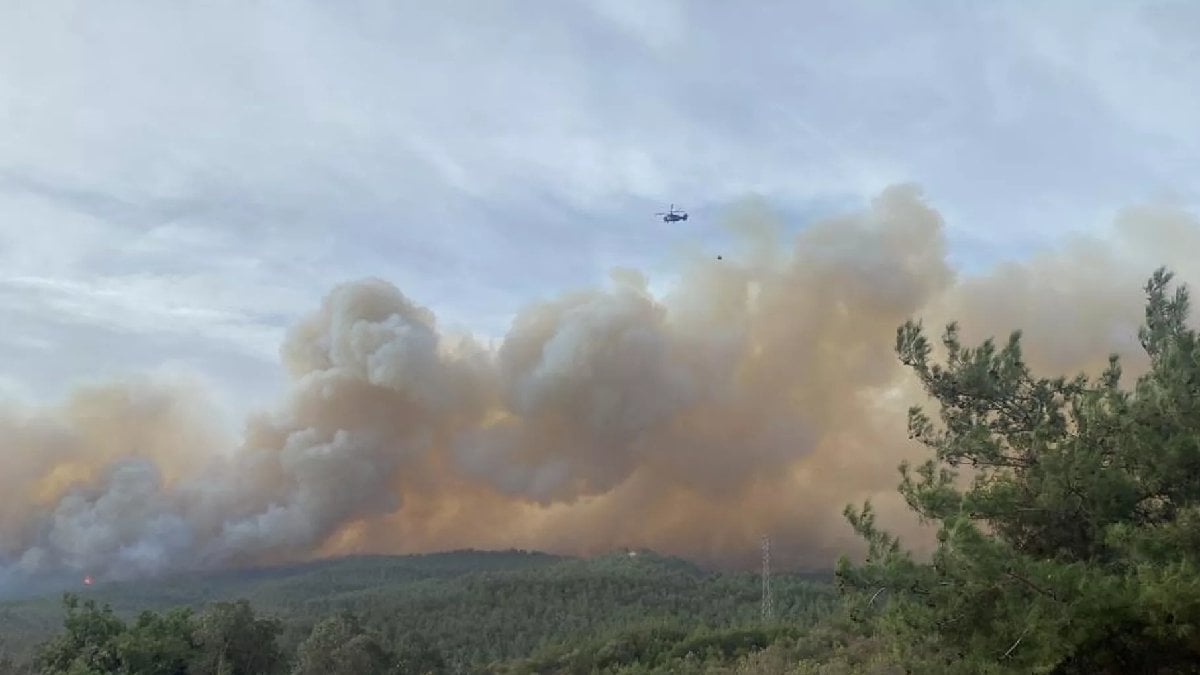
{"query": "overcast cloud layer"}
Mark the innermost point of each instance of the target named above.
(181, 184)
(178, 181)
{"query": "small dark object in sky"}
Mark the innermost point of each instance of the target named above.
(720, 258)
(673, 215)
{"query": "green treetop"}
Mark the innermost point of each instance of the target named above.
(1073, 549)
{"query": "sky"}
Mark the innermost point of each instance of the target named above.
(179, 182)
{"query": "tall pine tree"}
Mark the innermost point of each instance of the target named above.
(1073, 549)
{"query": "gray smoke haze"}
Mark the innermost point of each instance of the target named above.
(760, 395)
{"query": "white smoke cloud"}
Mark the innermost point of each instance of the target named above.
(760, 394)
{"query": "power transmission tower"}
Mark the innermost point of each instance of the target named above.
(768, 602)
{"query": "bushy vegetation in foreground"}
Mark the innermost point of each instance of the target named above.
(1068, 515)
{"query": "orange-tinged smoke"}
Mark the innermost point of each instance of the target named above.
(760, 396)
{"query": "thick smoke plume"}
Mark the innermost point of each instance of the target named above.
(760, 396)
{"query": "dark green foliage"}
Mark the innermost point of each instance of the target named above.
(479, 620)
(655, 647)
(231, 640)
(226, 640)
(415, 655)
(340, 645)
(88, 644)
(1074, 548)
(483, 618)
(302, 593)
(158, 644)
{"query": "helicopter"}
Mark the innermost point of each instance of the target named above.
(673, 215)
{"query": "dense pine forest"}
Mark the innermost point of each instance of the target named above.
(1074, 548)
(466, 611)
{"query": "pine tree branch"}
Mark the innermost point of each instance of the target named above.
(1038, 589)
(1014, 645)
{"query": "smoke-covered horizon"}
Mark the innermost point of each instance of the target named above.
(760, 395)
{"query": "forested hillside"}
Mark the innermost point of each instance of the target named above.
(472, 609)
